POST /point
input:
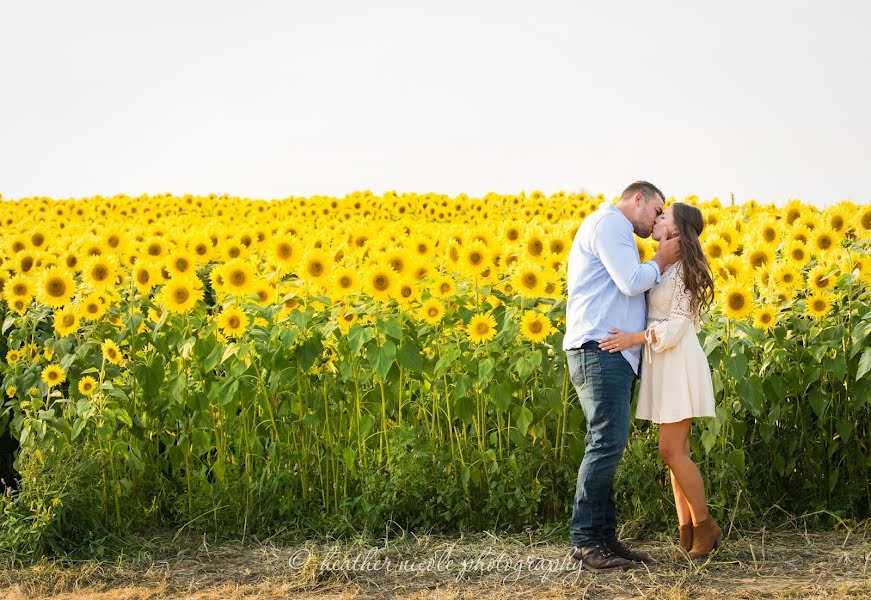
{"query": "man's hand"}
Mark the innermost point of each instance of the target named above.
(667, 253)
(620, 340)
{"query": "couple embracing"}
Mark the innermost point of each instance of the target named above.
(615, 335)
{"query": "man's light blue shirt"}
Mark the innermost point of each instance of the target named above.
(606, 281)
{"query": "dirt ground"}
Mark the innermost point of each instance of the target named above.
(751, 565)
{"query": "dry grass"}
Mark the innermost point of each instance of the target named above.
(751, 565)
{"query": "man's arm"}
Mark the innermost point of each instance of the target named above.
(615, 247)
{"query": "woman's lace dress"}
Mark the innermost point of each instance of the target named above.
(675, 376)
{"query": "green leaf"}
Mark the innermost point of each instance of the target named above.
(381, 357)
(213, 358)
(818, 401)
(736, 365)
(736, 459)
(464, 408)
(308, 353)
(446, 360)
(390, 327)
(864, 364)
(845, 429)
(409, 357)
(78, 426)
(522, 419)
(485, 371)
(708, 440)
(359, 335)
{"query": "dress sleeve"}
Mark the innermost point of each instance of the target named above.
(680, 319)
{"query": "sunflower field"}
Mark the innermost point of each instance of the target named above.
(338, 364)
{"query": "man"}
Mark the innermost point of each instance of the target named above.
(606, 286)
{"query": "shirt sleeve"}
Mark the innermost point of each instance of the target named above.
(680, 319)
(614, 245)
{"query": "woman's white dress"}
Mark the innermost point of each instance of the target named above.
(675, 376)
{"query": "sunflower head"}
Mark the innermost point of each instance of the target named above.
(87, 385)
(57, 288)
(764, 317)
(232, 321)
(818, 305)
(53, 375)
(535, 326)
(111, 352)
(481, 328)
(736, 301)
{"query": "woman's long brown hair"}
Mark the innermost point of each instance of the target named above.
(696, 271)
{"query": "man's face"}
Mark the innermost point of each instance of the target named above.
(646, 213)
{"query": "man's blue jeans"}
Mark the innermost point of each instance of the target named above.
(604, 382)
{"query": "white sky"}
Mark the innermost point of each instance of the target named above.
(758, 98)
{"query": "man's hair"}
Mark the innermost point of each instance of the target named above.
(647, 189)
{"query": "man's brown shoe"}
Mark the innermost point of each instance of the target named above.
(706, 537)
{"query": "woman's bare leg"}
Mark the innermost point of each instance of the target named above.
(684, 516)
(674, 449)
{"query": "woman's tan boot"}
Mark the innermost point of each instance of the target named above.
(706, 537)
(685, 533)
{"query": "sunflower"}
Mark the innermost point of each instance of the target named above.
(380, 281)
(528, 281)
(715, 247)
(237, 278)
(837, 217)
(87, 385)
(397, 259)
(93, 306)
(823, 242)
(474, 259)
(57, 288)
(180, 263)
(535, 244)
(797, 253)
(344, 319)
(793, 210)
(432, 311)
(146, 275)
(99, 273)
(481, 328)
(764, 317)
(760, 257)
(315, 266)
(818, 305)
(283, 254)
(769, 232)
(345, 280)
(181, 294)
(535, 326)
(730, 268)
(201, 247)
(53, 375)
(820, 278)
(787, 276)
(12, 357)
(443, 286)
(66, 321)
(111, 352)
(422, 246)
(864, 222)
(232, 321)
(265, 293)
(737, 302)
(18, 288)
(406, 292)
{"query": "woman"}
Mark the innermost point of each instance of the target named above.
(676, 379)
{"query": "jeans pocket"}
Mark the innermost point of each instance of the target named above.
(577, 368)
